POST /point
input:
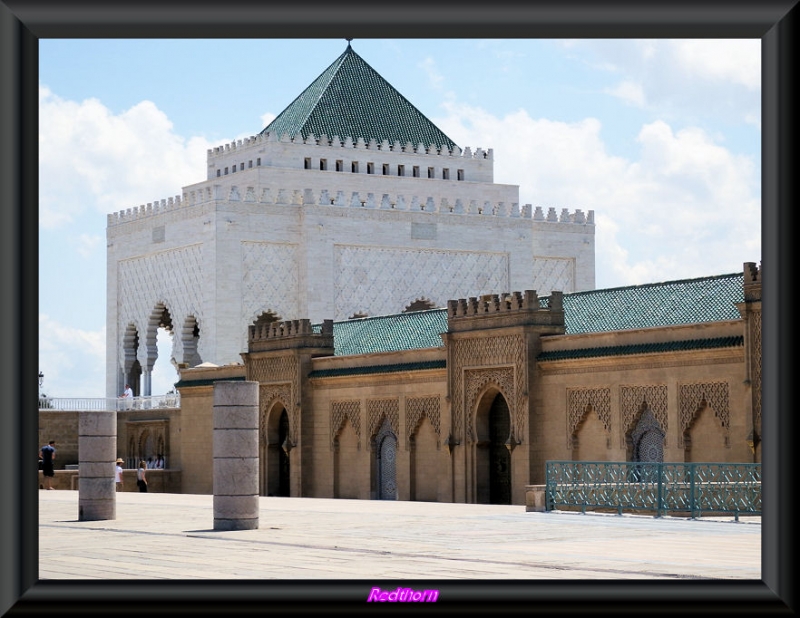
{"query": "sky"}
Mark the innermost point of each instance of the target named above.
(660, 138)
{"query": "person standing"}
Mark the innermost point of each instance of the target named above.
(127, 395)
(141, 478)
(118, 474)
(48, 454)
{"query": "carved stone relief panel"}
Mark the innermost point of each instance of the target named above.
(633, 400)
(696, 396)
(579, 401)
(506, 351)
(416, 408)
(341, 410)
(275, 374)
(378, 409)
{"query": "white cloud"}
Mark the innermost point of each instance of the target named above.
(88, 244)
(722, 60)
(685, 207)
(90, 158)
(71, 359)
(629, 92)
(434, 76)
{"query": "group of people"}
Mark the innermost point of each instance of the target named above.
(47, 455)
(141, 472)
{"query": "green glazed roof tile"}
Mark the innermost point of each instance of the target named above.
(671, 303)
(350, 99)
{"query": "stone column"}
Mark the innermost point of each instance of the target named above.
(97, 451)
(235, 450)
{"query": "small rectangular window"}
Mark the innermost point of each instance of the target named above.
(226, 171)
(445, 174)
(415, 171)
(354, 167)
(307, 163)
(250, 163)
(401, 170)
(370, 168)
(460, 174)
(431, 172)
(339, 166)
(258, 162)
(385, 169)
(233, 169)
(241, 166)
(323, 164)
(219, 172)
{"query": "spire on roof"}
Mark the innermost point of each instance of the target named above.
(351, 99)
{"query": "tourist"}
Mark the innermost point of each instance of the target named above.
(47, 454)
(141, 479)
(118, 474)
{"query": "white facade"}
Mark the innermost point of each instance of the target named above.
(324, 228)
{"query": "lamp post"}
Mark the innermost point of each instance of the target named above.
(41, 381)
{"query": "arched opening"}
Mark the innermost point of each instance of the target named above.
(385, 449)
(493, 457)
(161, 374)
(190, 336)
(132, 369)
(275, 454)
(645, 444)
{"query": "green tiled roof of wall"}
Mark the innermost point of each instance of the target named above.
(671, 303)
(351, 99)
(643, 348)
(389, 333)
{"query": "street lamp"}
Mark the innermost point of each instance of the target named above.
(41, 379)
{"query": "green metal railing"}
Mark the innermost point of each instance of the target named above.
(692, 489)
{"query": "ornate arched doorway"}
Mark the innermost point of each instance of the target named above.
(493, 457)
(386, 454)
(276, 469)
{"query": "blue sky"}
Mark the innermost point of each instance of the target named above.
(661, 138)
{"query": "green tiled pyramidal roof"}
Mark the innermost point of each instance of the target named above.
(350, 99)
(672, 303)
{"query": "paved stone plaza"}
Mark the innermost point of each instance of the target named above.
(159, 536)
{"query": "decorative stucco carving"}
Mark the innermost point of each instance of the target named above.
(505, 351)
(633, 399)
(580, 401)
(418, 407)
(279, 378)
(377, 410)
(694, 397)
(341, 410)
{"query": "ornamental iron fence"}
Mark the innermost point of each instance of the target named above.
(692, 489)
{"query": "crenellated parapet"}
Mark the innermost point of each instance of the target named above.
(752, 281)
(149, 210)
(500, 310)
(289, 334)
(350, 199)
(335, 141)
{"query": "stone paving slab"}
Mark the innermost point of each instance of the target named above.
(159, 536)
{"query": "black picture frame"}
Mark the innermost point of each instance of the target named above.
(24, 22)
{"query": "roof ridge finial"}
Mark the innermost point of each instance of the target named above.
(348, 39)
